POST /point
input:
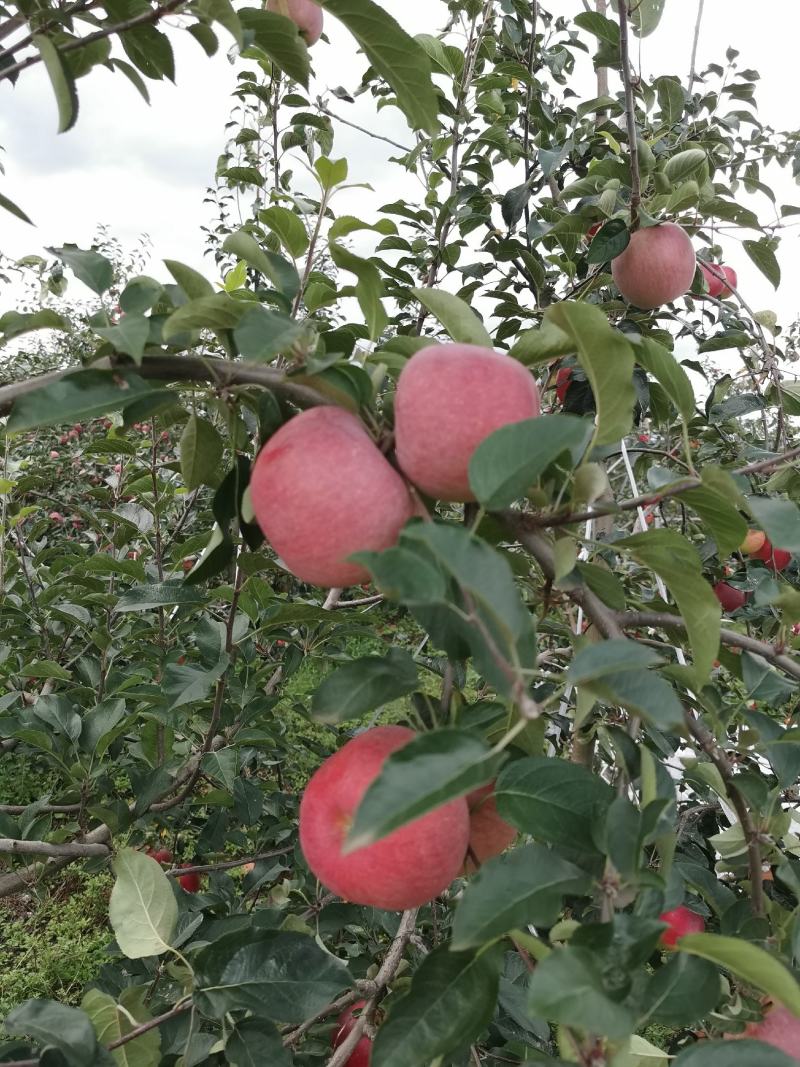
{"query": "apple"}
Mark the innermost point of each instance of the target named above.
(680, 921)
(731, 599)
(322, 490)
(593, 229)
(563, 379)
(711, 272)
(489, 835)
(657, 266)
(450, 398)
(779, 1028)
(753, 541)
(776, 558)
(187, 565)
(305, 14)
(53, 454)
(161, 855)
(56, 516)
(362, 1053)
(731, 279)
(63, 439)
(190, 883)
(410, 866)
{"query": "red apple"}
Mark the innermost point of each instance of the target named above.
(56, 516)
(776, 558)
(731, 599)
(322, 490)
(53, 454)
(563, 379)
(305, 14)
(753, 541)
(161, 855)
(489, 835)
(779, 1028)
(681, 921)
(362, 1053)
(593, 229)
(190, 883)
(657, 266)
(712, 273)
(63, 439)
(731, 279)
(450, 398)
(187, 565)
(407, 868)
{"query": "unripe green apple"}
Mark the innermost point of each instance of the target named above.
(450, 398)
(322, 490)
(657, 266)
(407, 868)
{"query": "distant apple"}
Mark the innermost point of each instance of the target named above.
(753, 541)
(776, 558)
(731, 599)
(680, 922)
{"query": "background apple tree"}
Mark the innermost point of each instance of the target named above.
(589, 633)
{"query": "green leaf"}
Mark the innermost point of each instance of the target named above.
(14, 323)
(510, 461)
(671, 99)
(677, 563)
(424, 774)
(113, 1022)
(395, 55)
(450, 1002)
(62, 81)
(542, 345)
(191, 281)
(183, 684)
(289, 229)
(278, 37)
(525, 886)
(201, 451)
(568, 987)
(55, 1026)
(256, 1043)
(277, 975)
(754, 965)
(763, 256)
(364, 684)
(646, 15)
(159, 595)
(217, 312)
(280, 271)
(682, 992)
(10, 206)
(150, 50)
(643, 693)
(744, 1053)
(369, 287)
(666, 370)
(331, 172)
(610, 657)
(780, 520)
(94, 270)
(719, 516)
(609, 241)
(129, 336)
(457, 317)
(82, 394)
(601, 27)
(263, 334)
(142, 911)
(607, 359)
(691, 164)
(44, 668)
(553, 800)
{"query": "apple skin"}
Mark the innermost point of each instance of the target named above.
(322, 490)
(489, 835)
(713, 281)
(732, 280)
(305, 14)
(681, 921)
(160, 855)
(777, 558)
(753, 542)
(657, 266)
(407, 868)
(450, 398)
(190, 883)
(563, 379)
(779, 1028)
(731, 599)
(362, 1053)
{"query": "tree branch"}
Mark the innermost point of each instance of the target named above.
(71, 849)
(208, 868)
(19, 881)
(700, 5)
(630, 112)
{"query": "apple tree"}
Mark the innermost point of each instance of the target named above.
(406, 614)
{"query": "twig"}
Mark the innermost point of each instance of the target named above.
(330, 1009)
(709, 745)
(630, 112)
(208, 868)
(72, 849)
(700, 4)
(361, 129)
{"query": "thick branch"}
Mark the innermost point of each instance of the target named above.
(19, 881)
(630, 112)
(220, 372)
(71, 849)
(754, 862)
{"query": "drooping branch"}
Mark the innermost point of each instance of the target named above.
(630, 112)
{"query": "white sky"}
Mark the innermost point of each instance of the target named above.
(145, 169)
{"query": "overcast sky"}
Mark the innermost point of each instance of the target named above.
(145, 169)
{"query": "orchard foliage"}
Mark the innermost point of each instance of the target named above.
(600, 646)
